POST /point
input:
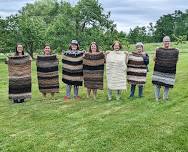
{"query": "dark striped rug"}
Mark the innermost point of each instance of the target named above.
(93, 70)
(137, 70)
(48, 75)
(72, 68)
(165, 67)
(19, 77)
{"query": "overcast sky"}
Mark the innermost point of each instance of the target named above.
(126, 13)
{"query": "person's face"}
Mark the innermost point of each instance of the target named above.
(116, 47)
(19, 48)
(166, 44)
(139, 49)
(47, 50)
(93, 48)
(74, 47)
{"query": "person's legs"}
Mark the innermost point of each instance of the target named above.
(140, 90)
(88, 92)
(18, 100)
(95, 93)
(132, 90)
(15, 101)
(68, 90)
(52, 94)
(118, 95)
(157, 92)
(109, 94)
(76, 88)
(44, 95)
(21, 100)
(166, 91)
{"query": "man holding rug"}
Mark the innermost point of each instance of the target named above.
(165, 68)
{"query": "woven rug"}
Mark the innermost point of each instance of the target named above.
(137, 70)
(19, 69)
(72, 68)
(116, 70)
(48, 75)
(93, 70)
(165, 67)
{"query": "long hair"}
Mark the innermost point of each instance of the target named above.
(96, 46)
(16, 51)
(120, 45)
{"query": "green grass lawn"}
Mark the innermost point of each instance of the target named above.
(128, 125)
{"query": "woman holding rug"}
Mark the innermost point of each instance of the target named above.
(93, 70)
(137, 69)
(116, 70)
(47, 71)
(164, 74)
(19, 67)
(72, 70)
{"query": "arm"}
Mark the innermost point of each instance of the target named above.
(126, 57)
(30, 58)
(105, 55)
(154, 57)
(146, 58)
(6, 60)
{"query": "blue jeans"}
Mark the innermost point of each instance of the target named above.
(157, 92)
(68, 90)
(140, 90)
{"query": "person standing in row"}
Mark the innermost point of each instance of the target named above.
(47, 71)
(93, 70)
(19, 67)
(137, 69)
(72, 70)
(164, 74)
(116, 70)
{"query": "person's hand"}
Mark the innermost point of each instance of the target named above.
(107, 52)
(143, 53)
(126, 52)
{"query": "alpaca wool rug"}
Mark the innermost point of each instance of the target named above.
(137, 70)
(165, 67)
(72, 68)
(48, 73)
(116, 70)
(93, 70)
(19, 69)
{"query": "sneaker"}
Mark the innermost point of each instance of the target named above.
(66, 98)
(77, 98)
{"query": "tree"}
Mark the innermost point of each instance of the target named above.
(3, 34)
(31, 31)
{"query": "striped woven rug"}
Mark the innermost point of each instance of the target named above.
(93, 70)
(72, 68)
(165, 67)
(137, 70)
(48, 75)
(19, 77)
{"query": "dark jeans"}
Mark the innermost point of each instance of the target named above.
(68, 90)
(18, 100)
(140, 90)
